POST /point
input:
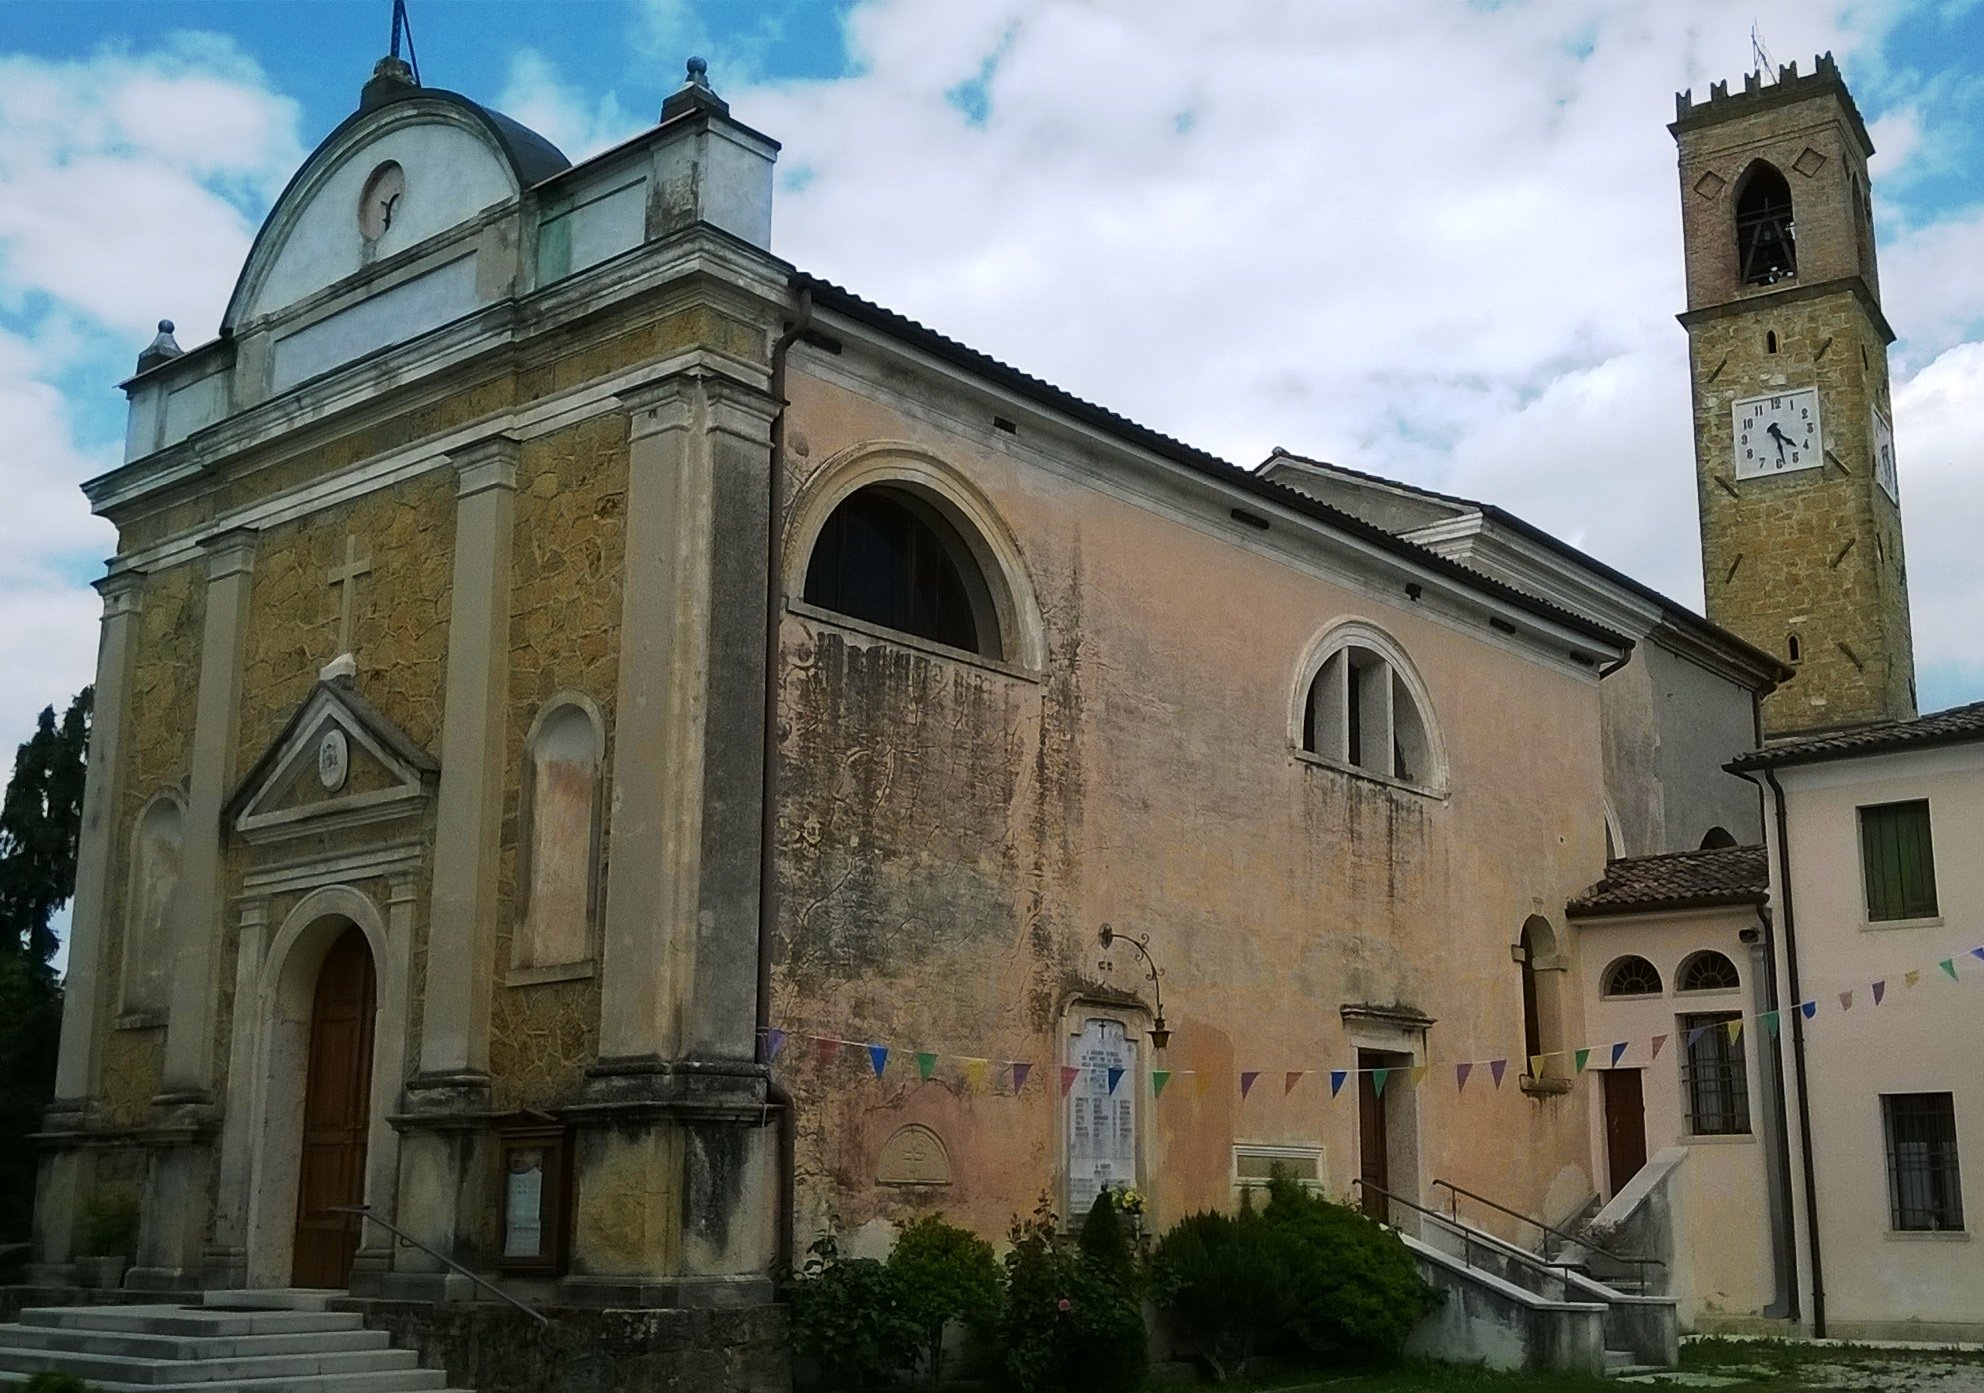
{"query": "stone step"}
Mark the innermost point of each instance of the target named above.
(409, 1381)
(96, 1366)
(189, 1320)
(170, 1347)
(270, 1299)
(1618, 1361)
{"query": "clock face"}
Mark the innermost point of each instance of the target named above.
(1884, 474)
(1778, 433)
(384, 193)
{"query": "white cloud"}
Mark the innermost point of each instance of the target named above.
(1439, 240)
(535, 94)
(1939, 442)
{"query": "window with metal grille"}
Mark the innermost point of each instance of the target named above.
(1898, 861)
(1715, 1086)
(888, 557)
(1924, 1190)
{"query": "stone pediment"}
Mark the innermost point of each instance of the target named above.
(338, 762)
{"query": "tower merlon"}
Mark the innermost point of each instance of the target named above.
(1760, 96)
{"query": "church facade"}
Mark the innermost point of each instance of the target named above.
(615, 755)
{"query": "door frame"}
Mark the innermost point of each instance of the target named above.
(1612, 1181)
(286, 999)
(1398, 1035)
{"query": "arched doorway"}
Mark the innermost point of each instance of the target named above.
(337, 1105)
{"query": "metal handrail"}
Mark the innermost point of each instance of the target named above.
(1547, 1268)
(366, 1212)
(1454, 1191)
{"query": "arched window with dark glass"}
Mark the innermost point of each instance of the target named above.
(1766, 237)
(888, 557)
(1707, 971)
(1632, 976)
(1718, 839)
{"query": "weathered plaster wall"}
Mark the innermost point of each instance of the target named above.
(952, 836)
(1700, 722)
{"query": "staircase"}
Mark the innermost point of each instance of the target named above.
(234, 1342)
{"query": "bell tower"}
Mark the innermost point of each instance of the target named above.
(1794, 441)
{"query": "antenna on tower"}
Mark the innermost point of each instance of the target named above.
(403, 29)
(1760, 57)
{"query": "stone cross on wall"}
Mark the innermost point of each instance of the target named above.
(345, 577)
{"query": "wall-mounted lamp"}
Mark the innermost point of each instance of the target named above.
(1160, 1033)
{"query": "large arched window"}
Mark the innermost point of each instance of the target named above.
(1766, 236)
(888, 557)
(1363, 707)
(561, 814)
(1632, 975)
(1707, 971)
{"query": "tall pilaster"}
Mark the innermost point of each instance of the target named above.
(444, 1150)
(172, 1229)
(674, 1174)
(65, 1173)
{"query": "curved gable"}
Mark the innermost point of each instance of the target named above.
(457, 159)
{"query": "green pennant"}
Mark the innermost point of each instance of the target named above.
(926, 1064)
(1769, 1019)
(1158, 1079)
(1378, 1077)
(1948, 965)
(1583, 1058)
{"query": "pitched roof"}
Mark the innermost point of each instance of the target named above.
(840, 300)
(1677, 880)
(1956, 726)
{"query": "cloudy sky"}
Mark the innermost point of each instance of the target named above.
(1430, 238)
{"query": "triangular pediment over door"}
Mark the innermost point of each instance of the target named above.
(338, 763)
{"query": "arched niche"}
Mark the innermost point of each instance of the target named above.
(914, 1155)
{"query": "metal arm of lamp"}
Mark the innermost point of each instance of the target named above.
(1160, 1033)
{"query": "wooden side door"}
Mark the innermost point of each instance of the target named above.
(336, 1111)
(1625, 1126)
(1373, 1145)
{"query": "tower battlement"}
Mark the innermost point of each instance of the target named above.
(1760, 96)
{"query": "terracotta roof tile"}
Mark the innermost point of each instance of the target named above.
(1955, 726)
(1677, 880)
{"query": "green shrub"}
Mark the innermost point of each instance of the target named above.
(1069, 1322)
(849, 1316)
(1352, 1293)
(1221, 1280)
(942, 1274)
(1105, 1240)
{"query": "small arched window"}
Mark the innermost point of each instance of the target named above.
(1707, 971)
(1766, 236)
(1536, 955)
(559, 875)
(1770, 341)
(1718, 839)
(1361, 710)
(1632, 976)
(1793, 649)
(888, 557)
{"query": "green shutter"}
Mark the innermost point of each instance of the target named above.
(1898, 860)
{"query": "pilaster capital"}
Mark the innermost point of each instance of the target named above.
(488, 463)
(666, 404)
(230, 553)
(740, 410)
(123, 593)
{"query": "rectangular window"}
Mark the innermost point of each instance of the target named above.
(1714, 1083)
(1254, 1165)
(1924, 1190)
(1898, 861)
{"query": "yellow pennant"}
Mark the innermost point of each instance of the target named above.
(1911, 978)
(1735, 1029)
(975, 1073)
(1418, 1072)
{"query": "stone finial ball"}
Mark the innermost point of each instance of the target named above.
(698, 68)
(165, 326)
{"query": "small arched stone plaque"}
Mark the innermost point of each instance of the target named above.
(914, 1155)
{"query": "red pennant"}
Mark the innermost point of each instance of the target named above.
(1294, 1077)
(827, 1048)
(1658, 1041)
(1247, 1077)
(1069, 1073)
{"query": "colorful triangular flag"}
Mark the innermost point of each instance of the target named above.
(1808, 1009)
(1658, 1041)
(774, 1042)
(1337, 1076)
(1417, 1074)
(1069, 1073)
(1734, 1029)
(1115, 1077)
(1768, 1020)
(1158, 1079)
(1880, 989)
(878, 1057)
(1247, 1077)
(926, 1063)
(1293, 1077)
(1909, 979)
(1378, 1077)
(1977, 953)
(1846, 1000)
(1948, 965)
(1693, 1035)
(1498, 1067)
(1020, 1071)
(1461, 1071)
(1536, 1065)
(976, 1072)
(1583, 1056)
(826, 1048)
(1618, 1053)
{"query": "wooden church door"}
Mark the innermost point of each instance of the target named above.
(337, 1105)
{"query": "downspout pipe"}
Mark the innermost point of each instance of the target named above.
(775, 1093)
(1790, 920)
